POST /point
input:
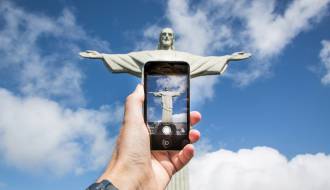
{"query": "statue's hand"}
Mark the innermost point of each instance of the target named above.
(240, 55)
(91, 54)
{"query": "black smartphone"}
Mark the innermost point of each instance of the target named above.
(167, 104)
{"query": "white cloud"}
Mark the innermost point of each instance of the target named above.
(258, 169)
(150, 38)
(43, 52)
(269, 31)
(37, 134)
(179, 117)
(173, 83)
(196, 31)
(325, 58)
(192, 27)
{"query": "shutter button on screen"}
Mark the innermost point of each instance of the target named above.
(167, 130)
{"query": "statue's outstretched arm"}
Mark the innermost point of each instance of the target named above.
(214, 65)
(155, 93)
(159, 94)
(117, 63)
(176, 94)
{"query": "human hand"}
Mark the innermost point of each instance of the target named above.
(133, 164)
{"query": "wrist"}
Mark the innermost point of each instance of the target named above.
(129, 179)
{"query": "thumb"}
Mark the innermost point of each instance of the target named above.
(133, 106)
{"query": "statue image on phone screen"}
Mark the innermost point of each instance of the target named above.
(167, 104)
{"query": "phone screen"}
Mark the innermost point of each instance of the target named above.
(166, 108)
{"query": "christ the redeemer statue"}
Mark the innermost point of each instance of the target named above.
(167, 103)
(133, 62)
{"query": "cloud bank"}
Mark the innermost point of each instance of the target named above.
(39, 134)
(40, 130)
(259, 168)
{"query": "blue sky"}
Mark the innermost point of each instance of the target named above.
(266, 117)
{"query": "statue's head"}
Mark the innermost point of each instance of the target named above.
(166, 39)
(166, 89)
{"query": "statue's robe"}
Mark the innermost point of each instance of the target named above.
(133, 62)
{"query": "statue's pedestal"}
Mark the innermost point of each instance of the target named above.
(180, 181)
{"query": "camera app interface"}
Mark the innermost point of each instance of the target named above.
(167, 104)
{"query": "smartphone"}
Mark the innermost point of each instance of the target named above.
(167, 104)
